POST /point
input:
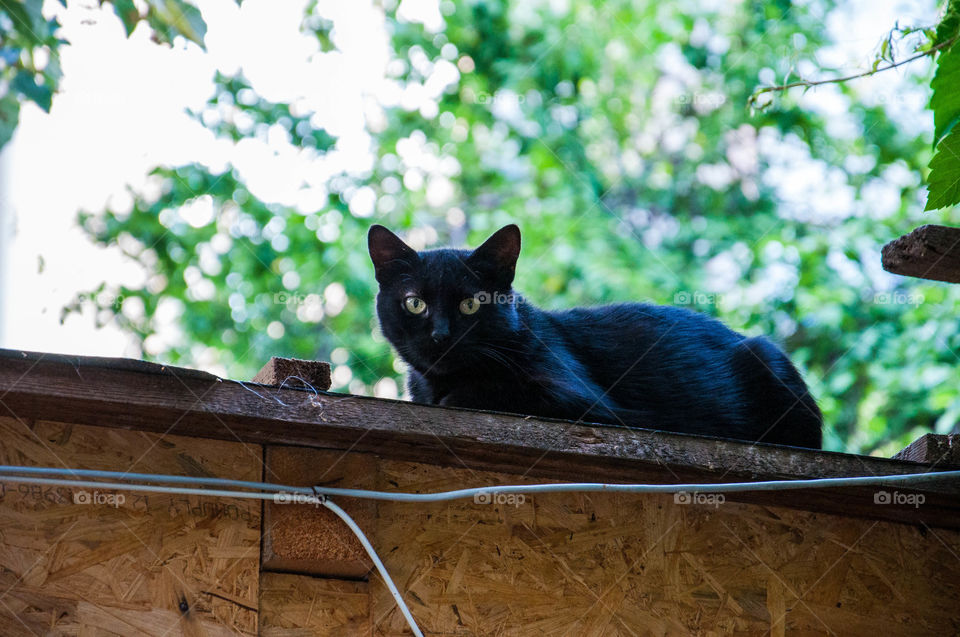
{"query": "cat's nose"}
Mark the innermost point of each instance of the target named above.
(440, 332)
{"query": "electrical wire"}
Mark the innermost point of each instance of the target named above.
(152, 477)
(568, 487)
(439, 496)
(376, 562)
(149, 488)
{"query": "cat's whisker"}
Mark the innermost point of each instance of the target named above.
(504, 361)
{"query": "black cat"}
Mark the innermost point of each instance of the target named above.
(471, 341)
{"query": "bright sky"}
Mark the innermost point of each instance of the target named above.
(121, 112)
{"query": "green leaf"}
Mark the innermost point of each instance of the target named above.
(25, 83)
(128, 14)
(9, 114)
(27, 18)
(946, 93)
(53, 72)
(949, 26)
(944, 179)
(171, 17)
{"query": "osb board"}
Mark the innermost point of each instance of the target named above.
(609, 564)
(311, 539)
(72, 566)
(304, 606)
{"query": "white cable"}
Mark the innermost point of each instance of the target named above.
(376, 562)
(580, 487)
(265, 490)
(150, 488)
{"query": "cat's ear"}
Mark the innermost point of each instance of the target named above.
(500, 251)
(387, 251)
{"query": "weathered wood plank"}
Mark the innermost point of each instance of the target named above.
(941, 451)
(299, 538)
(929, 252)
(191, 404)
(303, 606)
(294, 372)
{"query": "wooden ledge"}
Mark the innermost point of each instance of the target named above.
(942, 451)
(294, 372)
(929, 252)
(185, 402)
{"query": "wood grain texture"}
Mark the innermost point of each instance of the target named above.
(608, 564)
(312, 539)
(929, 252)
(295, 372)
(303, 606)
(31, 386)
(112, 563)
(941, 451)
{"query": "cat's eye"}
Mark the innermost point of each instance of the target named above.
(469, 306)
(415, 305)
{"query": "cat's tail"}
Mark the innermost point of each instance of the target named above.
(782, 410)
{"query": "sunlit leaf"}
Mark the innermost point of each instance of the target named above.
(944, 178)
(946, 93)
(173, 17)
(27, 84)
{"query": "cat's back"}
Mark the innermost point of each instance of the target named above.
(641, 325)
(653, 354)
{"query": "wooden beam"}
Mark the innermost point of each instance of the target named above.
(171, 400)
(311, 539)
(929, 252)
(940, 451)
(299, 605)
(294, 372)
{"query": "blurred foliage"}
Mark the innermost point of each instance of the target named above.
(167, 18)
(616, 134)
(29, 61)
(27, 68)
(943, 180)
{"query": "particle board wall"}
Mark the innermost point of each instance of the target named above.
(613, 564)
(304, 606)
(88, 563)
(557, 564)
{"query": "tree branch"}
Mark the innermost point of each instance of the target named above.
(838, 80)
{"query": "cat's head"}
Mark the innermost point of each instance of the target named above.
(445, 310)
